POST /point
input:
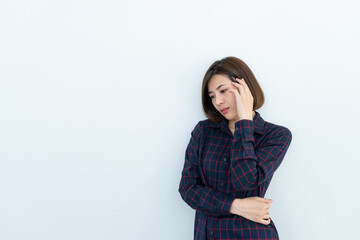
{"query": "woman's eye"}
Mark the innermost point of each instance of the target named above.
(222, 91)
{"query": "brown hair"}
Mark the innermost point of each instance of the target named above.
(231, 67)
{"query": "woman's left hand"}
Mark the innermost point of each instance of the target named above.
(244, 99)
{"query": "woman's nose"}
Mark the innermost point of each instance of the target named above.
(219, 100)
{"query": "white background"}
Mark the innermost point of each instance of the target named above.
(98, 99)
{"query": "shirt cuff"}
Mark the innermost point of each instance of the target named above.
(227, 204)
(244, 127)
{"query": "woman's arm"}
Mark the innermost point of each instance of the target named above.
(249, 170)
(191, 188)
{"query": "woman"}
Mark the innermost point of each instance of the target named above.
(231, 157)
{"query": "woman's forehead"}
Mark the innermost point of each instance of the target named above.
(217, 80)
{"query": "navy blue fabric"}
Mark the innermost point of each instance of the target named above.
(220, 167)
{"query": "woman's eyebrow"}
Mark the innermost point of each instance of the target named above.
(217, 88)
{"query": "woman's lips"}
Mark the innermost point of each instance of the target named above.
(225, 110)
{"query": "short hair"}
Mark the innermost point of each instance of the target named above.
(232, 68)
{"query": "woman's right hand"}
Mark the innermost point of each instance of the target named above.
(255, 209)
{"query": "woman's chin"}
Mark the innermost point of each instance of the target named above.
(227, 117)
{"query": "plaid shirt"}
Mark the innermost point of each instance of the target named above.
(220, 167)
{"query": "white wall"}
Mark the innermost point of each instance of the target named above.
(98, 99)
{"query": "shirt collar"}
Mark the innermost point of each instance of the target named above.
(259, 123)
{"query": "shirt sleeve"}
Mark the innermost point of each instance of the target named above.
(191, 188)
(249, 170)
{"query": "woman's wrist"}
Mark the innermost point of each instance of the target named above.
(236, 207)
(248, 116)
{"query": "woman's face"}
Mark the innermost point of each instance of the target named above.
(221, 98)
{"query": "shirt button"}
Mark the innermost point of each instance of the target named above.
(224, 159)
(236, 128)
(221, 184)
(211, 232)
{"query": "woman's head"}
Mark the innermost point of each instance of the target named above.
(222, 73)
